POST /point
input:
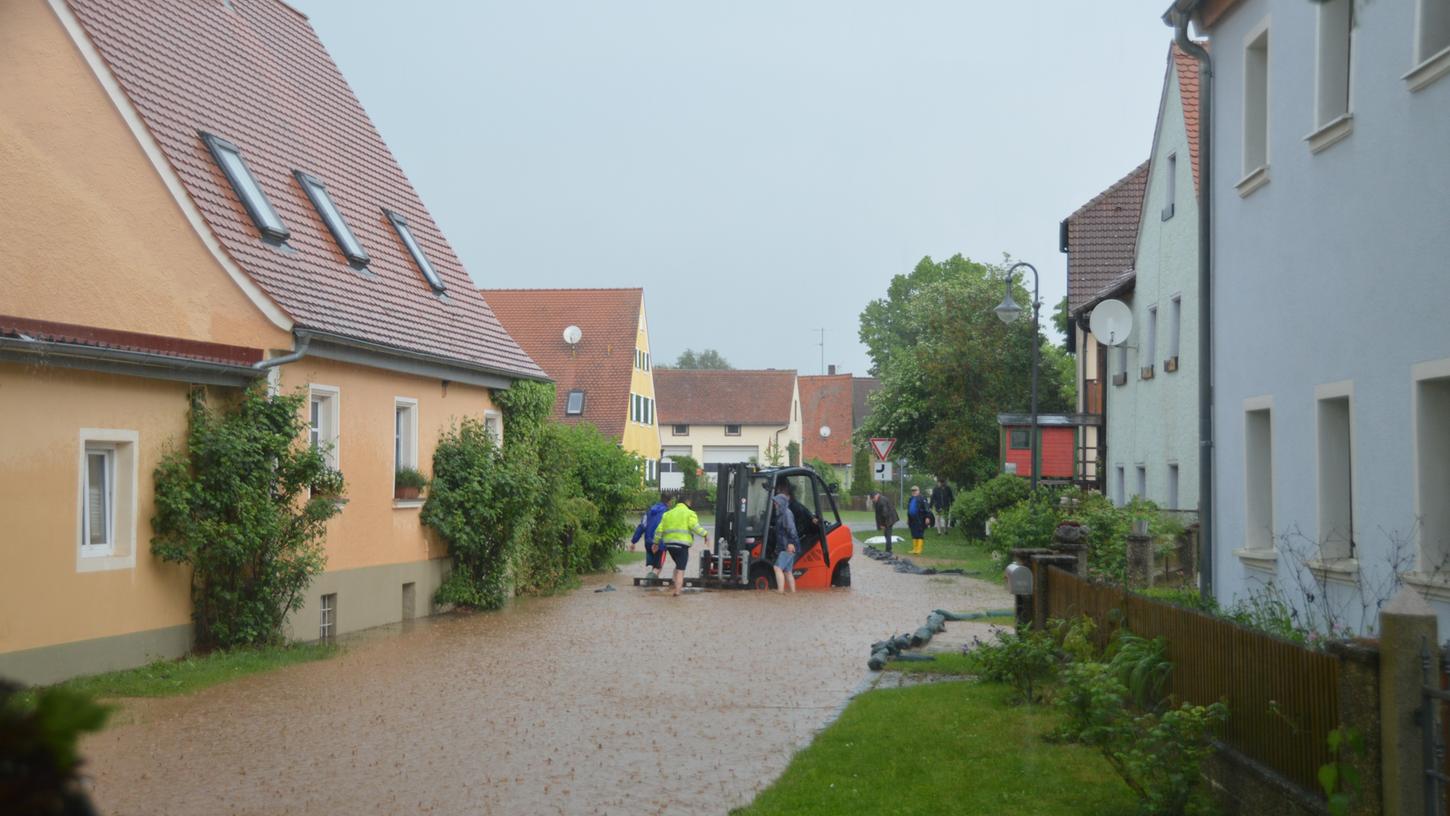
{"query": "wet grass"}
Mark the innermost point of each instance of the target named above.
(950, 551)
(167, 678)
(955, 747)
(625, 557)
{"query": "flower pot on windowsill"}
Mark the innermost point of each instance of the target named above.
(404, 493)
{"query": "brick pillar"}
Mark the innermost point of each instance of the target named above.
(1407, 625)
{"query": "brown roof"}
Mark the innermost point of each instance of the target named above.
(255, 73)
(826, 400)
(713, 397)
(1102, 237)
(1187, 68)
(861, 390)
(116, 340)
(601, 364)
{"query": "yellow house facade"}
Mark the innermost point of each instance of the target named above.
(138, 267)
(594, 345)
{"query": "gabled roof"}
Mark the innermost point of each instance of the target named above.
(861, 390)
(714, 397)
(1187, 68)
(254, 72)
(1102, 237)
(826, 401)
(600, 365)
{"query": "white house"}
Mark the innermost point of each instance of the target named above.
(1152, 398)
(1330, 191)
(719, 417)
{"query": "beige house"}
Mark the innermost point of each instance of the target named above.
(720, 417)
(166, 232)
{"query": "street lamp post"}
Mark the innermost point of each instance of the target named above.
(1009, 311)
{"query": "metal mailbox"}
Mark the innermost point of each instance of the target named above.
(1019, 579)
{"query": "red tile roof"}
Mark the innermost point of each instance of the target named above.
(603, 361)
(1187, 68)
(826, 400)
(1102, 237)
(255, 73)
(711, 397)
(116, 340)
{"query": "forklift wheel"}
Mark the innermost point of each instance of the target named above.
(762, 577)
(842, 576)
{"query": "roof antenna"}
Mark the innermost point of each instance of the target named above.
(822, 344)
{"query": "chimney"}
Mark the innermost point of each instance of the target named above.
(831, 369)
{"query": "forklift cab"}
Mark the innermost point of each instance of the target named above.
(745, 521)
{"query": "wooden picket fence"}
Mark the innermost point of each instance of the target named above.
(1283, 699)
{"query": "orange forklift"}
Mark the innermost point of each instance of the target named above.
(744, 550)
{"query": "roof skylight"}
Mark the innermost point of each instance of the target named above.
(346, 241)
(229, 158)
(575, 404)
(401, 225)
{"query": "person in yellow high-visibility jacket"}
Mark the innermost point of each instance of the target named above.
(677, 531)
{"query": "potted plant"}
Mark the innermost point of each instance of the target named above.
(408, 484)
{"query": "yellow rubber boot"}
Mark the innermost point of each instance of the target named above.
(916, 545)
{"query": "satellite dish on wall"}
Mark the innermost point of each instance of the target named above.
(1112, 322)
(572, 335)
(825, 431)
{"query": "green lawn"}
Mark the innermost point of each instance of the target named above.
(624, 557)
(944, 748)
(951, 551)
(165, 678)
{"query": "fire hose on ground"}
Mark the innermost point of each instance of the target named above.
(894, 647)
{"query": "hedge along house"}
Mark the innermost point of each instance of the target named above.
(827, 421)
(605, 377)
(1329, 190)
(1152, 391)
(1100, 239)
(720, 417)
(196, 198)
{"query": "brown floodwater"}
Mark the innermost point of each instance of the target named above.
(588, 702)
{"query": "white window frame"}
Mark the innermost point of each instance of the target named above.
(329, 431)
(493, 421)
(1323, 394)
(737, 432)
(407, 444)
(1170, 188)
(1429, 474)
(1430, 62)
(1257, 109)
(1172, 496)
(1150, 343)
(1140, 474)
(1175, 326)
(1120, 483)
(1333, 73)
(120, 552)
(1259, 543)
(327, 624)
(677, 429)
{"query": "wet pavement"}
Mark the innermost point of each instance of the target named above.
(590, 702)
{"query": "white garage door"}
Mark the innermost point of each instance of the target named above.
(727, 454)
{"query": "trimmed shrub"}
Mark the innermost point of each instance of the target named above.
(972, 508)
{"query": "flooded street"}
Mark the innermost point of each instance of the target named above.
(590, 702)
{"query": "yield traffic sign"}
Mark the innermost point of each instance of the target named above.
(882, 447)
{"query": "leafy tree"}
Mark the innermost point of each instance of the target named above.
(861, 473)
(774, 453)
(793, 453)
(246, 507)
(690, 470)
(828, 473)
(709, 358)
(1061, 318)
(39, 760)
(948, 366)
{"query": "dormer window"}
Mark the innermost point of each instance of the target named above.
(401, 225)
(244, 184)
(332, 217)
(574, 405)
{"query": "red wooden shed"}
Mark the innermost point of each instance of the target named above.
(1058, 436)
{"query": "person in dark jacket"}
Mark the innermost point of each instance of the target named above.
(654, 556)
(941, 505)
(886, 516)
(787, 541)
(918, 518)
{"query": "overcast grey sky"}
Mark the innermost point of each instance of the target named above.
(761, 167)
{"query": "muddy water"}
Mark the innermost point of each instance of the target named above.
(611, 702)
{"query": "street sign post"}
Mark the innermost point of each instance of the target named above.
(882, 471)
(882, 446)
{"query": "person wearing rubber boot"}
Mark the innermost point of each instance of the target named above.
(886, 516)
(677, 531)
(654, 552)
(916, 519)
(787, 540)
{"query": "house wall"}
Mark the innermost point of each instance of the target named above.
(759, 436)
(1334, 271)
(377, 544)
(60, 615)
(94, 235)
(638, 437)
(1153, 423)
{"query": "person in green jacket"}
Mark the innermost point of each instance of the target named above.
(677, 532)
